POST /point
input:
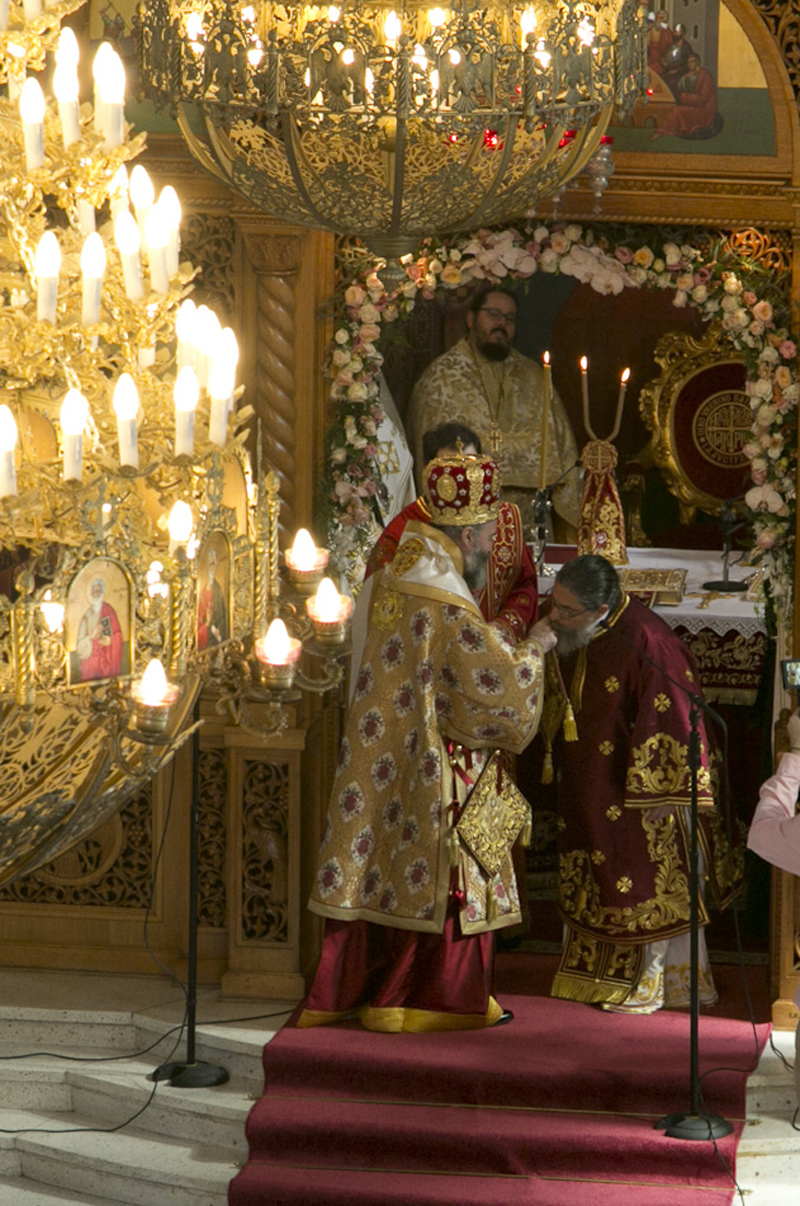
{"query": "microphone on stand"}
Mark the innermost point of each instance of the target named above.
(542, 506)
(729, 525)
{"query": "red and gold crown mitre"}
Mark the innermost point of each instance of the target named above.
(462, 489)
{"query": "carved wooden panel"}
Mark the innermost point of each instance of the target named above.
(212, 791)
(265, 851)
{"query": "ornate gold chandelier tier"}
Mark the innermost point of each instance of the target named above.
(393, 124)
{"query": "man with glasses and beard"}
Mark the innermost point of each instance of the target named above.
(411, 906)
(485, 383)
(616, 728)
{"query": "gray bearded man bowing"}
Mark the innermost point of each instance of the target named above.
(414, 876)
(616, 728)
(485, 383)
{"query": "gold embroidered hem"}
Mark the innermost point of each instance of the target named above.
(420, 1021)
(592, 971)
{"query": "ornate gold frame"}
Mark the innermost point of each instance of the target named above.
(681, 357)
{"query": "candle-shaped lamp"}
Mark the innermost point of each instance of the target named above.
(153, 697)
(31, 9)
(4, 10)
(100, 68)
(142, 195)
(8, 442)
(93, 266)
(31, 110)
(171, 208)
(65, 87)
(547, 389)
(47, 263)
(207, 332)
(185, 393)
(53, 612)
(329, 612)
(305, 563)
(126, 408)
(278, 655)
(220, 388)
(74, 413)
(156, 235)
(180, 525)
(128, 241)
(110, 82)
(184, 329)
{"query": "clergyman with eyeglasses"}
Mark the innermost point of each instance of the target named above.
(485, 383)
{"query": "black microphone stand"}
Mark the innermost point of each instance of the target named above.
(542, 509)
(729, 525)
(693, 1123)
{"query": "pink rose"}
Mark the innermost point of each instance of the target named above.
(762, 311)
(788, 349)
(624, 255)
(765, 538)
(749, 298)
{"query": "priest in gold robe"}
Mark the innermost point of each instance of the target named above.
(616, 727)
(410, 895)
(485, 383)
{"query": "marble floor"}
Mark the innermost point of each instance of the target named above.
(68, 1134)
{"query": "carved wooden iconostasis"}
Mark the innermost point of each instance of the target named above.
(262, 802)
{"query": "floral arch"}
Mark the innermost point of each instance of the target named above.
(744, 297)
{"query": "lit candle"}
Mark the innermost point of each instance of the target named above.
(53, 612)
(156, 235)
(93, 265)
(220, 388)
(185, 321)
(74, 413)
(207, 331)
(179, 525)
(128, 240)
(186, 393)
(329, 612)
(31, 110)
(585, 390)
(278, 654)
(99, 69)
(152, 698)
(31, 9)
(142, 194)
(118, 191)
(110, 84)
(8, 442)
(547, 386)
(65, 87)
(47, 263)
(623, 385)
(171, 209)
(126, 408)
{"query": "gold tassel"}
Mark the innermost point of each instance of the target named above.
(547, 767)
(454, 847)
(491, 905)
(526, 833)
(570, 727)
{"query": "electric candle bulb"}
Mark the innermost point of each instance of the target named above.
(154, 690)
(46, 265)
(186, 393)
(31, 9)
(65, 87)
(185, 321)
(74, 413)
(99, 67)
(142, 195)
(128, 240)
(327, 601)
(53, 612)
(206, 334)
(179, 525)
(31, 110)
(392, 28)
(220, 387)
(171, 208)
(126, 408)
(110, 84)
(228, 346)
(156, 235)
(8, 442)
(4, 7)
(278, 654)
(152, 698)
(67, 52)
(304, 555)
(93, 266)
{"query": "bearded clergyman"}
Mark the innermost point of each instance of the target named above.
(485, 383)
(617, 730)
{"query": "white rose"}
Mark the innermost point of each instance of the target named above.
(548, 260)
(680, 299)
(342, 335)
(765, 415)
(684, 281)
(341, 356)
(541, 233)
(357, 392)
(672, 254)
(729, 303)
(700, 294)
(573, 232)
(732, 285)
(762, 388)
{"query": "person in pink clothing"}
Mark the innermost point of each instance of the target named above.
(775, 830)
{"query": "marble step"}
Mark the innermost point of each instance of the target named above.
(119, 1167)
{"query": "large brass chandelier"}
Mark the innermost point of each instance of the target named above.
(139, 549)
(393, 123)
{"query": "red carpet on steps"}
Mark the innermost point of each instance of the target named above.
(555, 1109)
